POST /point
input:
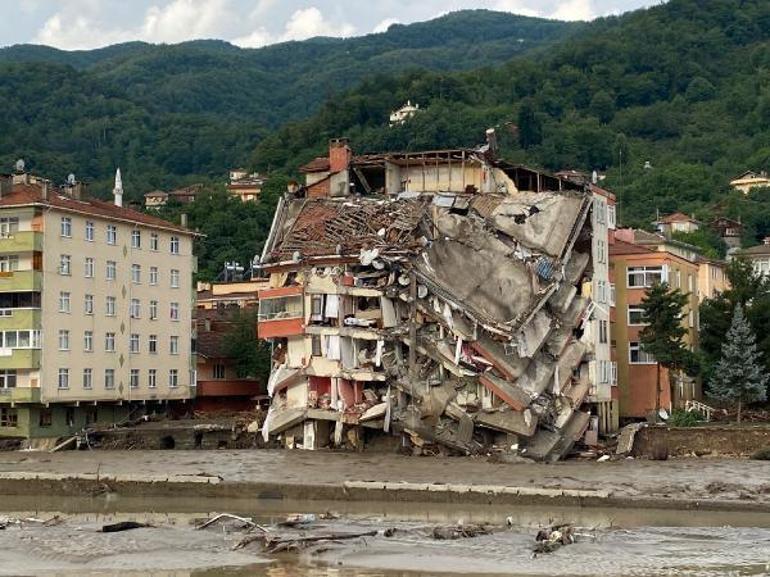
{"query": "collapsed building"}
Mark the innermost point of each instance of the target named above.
(444, 298)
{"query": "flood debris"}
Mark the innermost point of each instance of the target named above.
(124, 526)
(552, 538)
(451, 313)
(244, 522)
(459, 531)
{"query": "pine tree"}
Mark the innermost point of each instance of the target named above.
(663, 337)
(739, 376)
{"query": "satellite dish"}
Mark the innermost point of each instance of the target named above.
(71, 179)
(20, 165)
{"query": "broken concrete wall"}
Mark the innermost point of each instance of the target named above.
(471, 308)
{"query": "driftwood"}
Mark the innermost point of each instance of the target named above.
(124, 526)
(459, 532)
(245, 520)
(274, 544)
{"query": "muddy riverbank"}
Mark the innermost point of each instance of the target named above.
(691, 484)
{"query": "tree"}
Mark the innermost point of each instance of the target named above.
(663, 337)
(740, 375)
(530, 126)
(602, 106)
(251, 356)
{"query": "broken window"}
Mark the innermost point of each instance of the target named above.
(280, 308)
(638, 356)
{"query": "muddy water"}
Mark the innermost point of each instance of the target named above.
(618, 543)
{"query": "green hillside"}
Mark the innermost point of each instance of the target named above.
(171, 114)
(685, 86)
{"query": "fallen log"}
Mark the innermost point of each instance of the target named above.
(124, 526)
(459, 532)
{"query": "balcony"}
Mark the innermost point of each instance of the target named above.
(26, 318)
(281, 312)
(20, 358)
(21, 281)
(20, 395)
(25, 241)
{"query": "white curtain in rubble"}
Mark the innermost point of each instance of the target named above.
(332, 347)
(332, 307)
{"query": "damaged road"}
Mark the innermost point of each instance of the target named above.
(452, 318)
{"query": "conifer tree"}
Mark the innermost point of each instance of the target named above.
(739, 376)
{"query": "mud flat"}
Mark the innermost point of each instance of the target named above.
(684, 484)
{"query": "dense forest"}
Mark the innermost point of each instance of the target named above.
(670, 103)
(174, 114)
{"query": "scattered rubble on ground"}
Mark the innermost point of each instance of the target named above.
(456, 321)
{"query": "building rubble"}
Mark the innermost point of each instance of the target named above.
(451, 316)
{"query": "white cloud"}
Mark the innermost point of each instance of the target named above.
(257, 38)
(78, 24)
(516, 7)
(385, 24)
(309, 22)
(574, 10)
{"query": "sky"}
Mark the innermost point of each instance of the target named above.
(85, 24)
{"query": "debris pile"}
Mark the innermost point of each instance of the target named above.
(454, 321)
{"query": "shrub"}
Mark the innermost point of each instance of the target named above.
(682, 418)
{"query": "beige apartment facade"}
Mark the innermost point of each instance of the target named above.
(96, 311)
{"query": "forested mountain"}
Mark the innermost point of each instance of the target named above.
(684, 85)
(170, 114)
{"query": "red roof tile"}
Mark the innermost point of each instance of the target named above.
(31, 194)
(318, 164)
(621, 247)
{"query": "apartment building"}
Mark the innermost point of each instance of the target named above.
(95, 309)
(633, 269)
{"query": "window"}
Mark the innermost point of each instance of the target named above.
(8, 226)
(9, 263)
(109, 307)
(90, 267)
(612, 294)
(88, 341)
(692, 319)
(645, 276)
(280, 308)
(109, 378)
(9, 417)
(599, 208)
(315, 341)
(154, 241)
(173, 345)
(690, 283)
(109, 342)
(637, 356)
(8, 379)
(611, 216)
(601, 251)
(64, 378)
(112, 234)
(153, 310)
(219, 371)
(152, 378)
(45, 418)
(20, 339)
(174, 311)
(173, 378)
(601, 292)
(136, 239)
(64, 302)
(89, 231)
(174, 278)
(613, 373)
(153, 275)
(88, 304)
(635, 315)
(133, 343)
(64, 340)
(153, 344)
(134, 379)
(136, 273)
(174, 245)
(65, 261)
(135, 309)
(603, 332)
(66, 227)
(88, 379)
(111, 270)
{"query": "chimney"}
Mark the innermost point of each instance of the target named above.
(492, 141)
(44, 190)
(117, 191)
(339, 154)
(183, 219)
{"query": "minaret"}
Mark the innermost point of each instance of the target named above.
(118, 190)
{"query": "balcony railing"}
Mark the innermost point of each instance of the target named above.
(20, 395)
(21, 241)
(21, 280)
